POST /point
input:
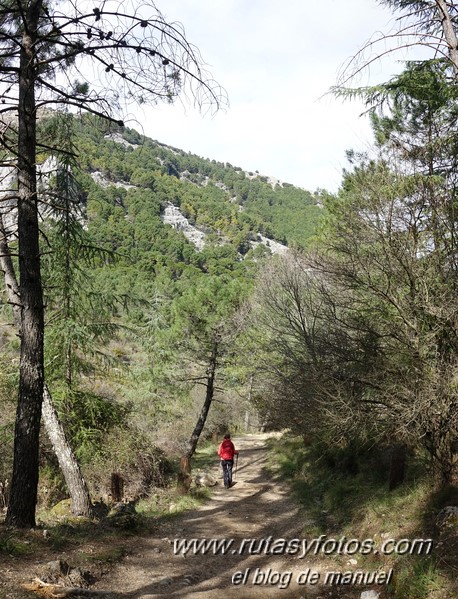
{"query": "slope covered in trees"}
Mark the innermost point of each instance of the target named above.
(134, 311)
(139, 58)
(223, 199)
(349, 339)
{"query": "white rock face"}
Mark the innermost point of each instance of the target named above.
(118, 138)
(274, 182)
(172, 216)
(9, 185)
(101, 180)
(274, 246)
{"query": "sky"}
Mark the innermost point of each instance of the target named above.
(277, 62)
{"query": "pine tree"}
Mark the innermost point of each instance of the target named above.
(44, 48)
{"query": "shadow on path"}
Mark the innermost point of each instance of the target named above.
(257, 511)
(255, 508)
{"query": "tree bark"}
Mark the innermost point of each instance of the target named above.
(449, 33)
(76, 485)
(117, 487)
(24, 483)
(185, 462)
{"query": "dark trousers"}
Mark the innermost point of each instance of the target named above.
(227, 471)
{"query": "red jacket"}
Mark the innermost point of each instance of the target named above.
(227, 450)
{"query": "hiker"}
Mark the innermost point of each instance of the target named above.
(226, 452)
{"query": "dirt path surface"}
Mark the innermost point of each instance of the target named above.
(256, 507)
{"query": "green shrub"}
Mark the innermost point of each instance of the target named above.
(416, 580)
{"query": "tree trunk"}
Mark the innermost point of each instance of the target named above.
(397, 466)
(449, 33)
(76, 485)
(184, 475)
(24, 482)
(79, 493)
(117, 487)
(185, 462)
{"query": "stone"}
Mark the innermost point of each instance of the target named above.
(448, 517)
(55, 570)
(205, 480)
(123, 515)
(352, 562)
(122, 508)
(173, 216)
(100, 509)
(79, 578)
(63, 509)
(60, 573)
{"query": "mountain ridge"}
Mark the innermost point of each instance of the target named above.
(243, 206)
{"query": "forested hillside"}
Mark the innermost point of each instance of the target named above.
(232, 205)
(137, 315)
(154, 299)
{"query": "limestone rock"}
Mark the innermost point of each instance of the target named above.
(121, 508)
(173, 216)
(203, 479)
(447, 517)
(123, 515)
(63, 509)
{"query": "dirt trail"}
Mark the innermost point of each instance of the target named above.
(256, 507)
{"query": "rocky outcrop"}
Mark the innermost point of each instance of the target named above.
(274, 246)
(119, 139)
(8, 193)
(172, 216)
(104, 182)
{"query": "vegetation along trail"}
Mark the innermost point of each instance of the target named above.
(259, 507)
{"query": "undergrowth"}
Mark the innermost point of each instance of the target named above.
(344, 492)
(102, 540)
